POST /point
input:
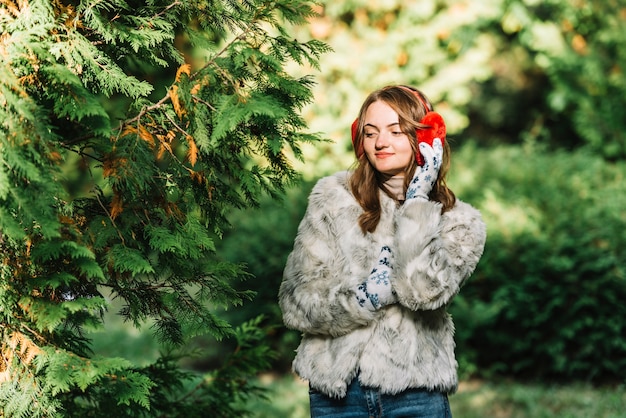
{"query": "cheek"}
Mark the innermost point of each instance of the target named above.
(405, 149)
(369, 145)
(405, 159)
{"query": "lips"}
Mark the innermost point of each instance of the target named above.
(382, 155)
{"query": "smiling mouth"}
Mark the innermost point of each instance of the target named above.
(383, 154)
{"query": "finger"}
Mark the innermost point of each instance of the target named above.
(427, 151)
(438, 150)
(438, 145)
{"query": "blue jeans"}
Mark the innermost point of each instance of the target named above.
(364, 402)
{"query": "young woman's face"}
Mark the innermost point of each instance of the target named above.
(387, 148)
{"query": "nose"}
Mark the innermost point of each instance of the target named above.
(382, 140)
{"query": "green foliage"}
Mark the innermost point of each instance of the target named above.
(129, 130)
(262, 243)
(547, 298)
(169, 390)
(574, 58)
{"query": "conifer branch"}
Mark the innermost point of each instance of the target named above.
(167, 8)
(184, 132)
(192, 76)
(78, 72)
(119, 233)
(81, 152)
(142, 112)
(40, 337)
(218, 54)
(207, 104)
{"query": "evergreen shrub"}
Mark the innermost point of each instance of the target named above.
(547, 299)
(128, 131)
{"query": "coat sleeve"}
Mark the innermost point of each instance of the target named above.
(317, 294)
(434, 252)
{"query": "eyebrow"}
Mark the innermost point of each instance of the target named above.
(388, 126)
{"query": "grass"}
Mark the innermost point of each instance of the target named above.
(288, 398)
(515, 400)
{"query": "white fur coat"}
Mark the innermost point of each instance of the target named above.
(406, 345)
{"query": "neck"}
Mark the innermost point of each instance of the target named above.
(395, 186)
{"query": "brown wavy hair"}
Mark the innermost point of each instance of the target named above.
(366, 182)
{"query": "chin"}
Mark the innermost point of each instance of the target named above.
(390, 171)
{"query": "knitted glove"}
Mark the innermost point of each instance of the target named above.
(376, 291)
(426, 175)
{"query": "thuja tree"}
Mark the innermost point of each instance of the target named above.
(129, 130)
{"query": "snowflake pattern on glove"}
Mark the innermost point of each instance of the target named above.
(376, 291)
(426, 175)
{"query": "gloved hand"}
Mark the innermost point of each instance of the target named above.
(376, 291)
(426, 175)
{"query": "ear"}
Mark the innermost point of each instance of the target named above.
(437, 130)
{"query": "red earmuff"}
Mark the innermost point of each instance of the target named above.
(353, 129)
(437, 129)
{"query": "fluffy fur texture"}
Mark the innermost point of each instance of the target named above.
(404, 345)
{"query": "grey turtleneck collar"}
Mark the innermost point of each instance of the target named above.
(395, 185)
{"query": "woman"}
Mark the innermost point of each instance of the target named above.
(380, 253)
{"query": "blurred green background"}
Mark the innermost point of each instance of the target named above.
(534, 96)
